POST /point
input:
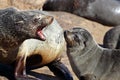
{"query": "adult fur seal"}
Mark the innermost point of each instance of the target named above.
(112, 38)
(104, 11)
(89, 61)
(17, 26)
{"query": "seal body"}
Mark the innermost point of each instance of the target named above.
(89, 61)
(30, 40)
(103, 11)
(15, 27)
(112, 38)
(49, 50)
(55, 5)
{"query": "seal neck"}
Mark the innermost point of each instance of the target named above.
(88, 50)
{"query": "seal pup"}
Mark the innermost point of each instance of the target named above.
(106, 12)
(15, 27)
(112, 38)
(87, 58)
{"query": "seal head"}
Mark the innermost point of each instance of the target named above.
(77, 37)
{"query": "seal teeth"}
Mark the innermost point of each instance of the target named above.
(41, 35)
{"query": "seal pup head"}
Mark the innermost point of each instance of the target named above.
(80, 46)
(27, 23)
(78, 39)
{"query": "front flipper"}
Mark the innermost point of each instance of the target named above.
(20, 70)
(60, 70)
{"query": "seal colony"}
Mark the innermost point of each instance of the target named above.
(112, 38)
(106, 12)
(89, 61)
(29, 40)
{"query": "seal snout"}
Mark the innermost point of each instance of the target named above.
(69, 38)
(67, 34)
(42, 21)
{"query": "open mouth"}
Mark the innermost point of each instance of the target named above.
(44, 23)
(40, 33)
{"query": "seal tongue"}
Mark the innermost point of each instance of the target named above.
(41, 35)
